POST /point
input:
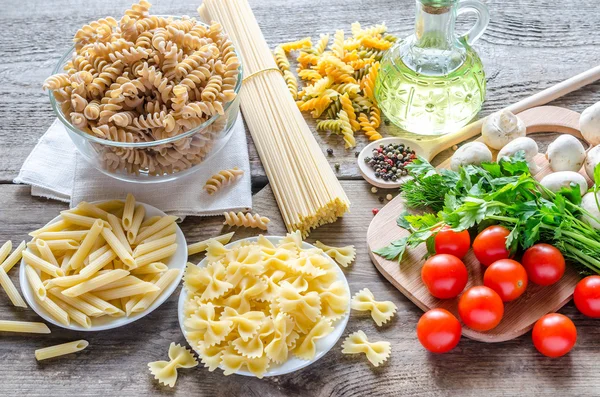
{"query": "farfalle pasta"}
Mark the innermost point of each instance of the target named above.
(166, 371)
(381, 311)
(377, 352)
(256, 304)
(146, 78)
(342, 255)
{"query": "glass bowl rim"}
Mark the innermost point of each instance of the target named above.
(67, 123)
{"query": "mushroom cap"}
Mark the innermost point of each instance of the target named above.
(588, 202)
(525, 144)
(589, 124)
(591, 161)
(557, 180)
(566, 153)
(502, 127)
(470, 153)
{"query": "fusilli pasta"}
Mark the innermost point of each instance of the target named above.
(246, 220)
(222, 179)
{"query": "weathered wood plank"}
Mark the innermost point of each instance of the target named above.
(115, 362)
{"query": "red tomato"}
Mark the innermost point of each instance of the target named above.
(490, 245)
(507, 277)
(444, 275)
(438, 330)
(480, 308)
(554, 335)
(587, 296)
(544, 263)
(447, 241)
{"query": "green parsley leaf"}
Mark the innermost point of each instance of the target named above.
(394, 250)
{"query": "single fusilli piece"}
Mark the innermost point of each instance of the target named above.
(368, 83)
(322, 44)
(347, 106)
(329, 125)
(346, 130)
(291, 82)
(246, 220)
(296, 45)
(281, 59)
(222, 179)
(368, 128)
(338, 44)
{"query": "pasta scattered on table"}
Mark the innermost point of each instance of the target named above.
(5, 281)
(381, 311)
(377, 352)
(60, 350)
(342, 255)
(24, 327)
(221, 179)
(246, 220)
(166, 371)
(257, 303)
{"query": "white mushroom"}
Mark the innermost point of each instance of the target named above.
(502, 127)
(472, 153)
(528, 146)
(591, 161)
(589, 124)
(557, 180)
(588, 203)
(566, 153)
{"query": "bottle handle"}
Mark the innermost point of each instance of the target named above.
(483, 19)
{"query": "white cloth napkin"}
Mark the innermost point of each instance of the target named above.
(55, 170)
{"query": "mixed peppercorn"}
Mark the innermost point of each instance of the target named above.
(389, 161)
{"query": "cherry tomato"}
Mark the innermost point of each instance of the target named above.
(447, 241)
(507, 277)
(587, 296)
(544, 263)
(444, 275)
(438, 330)
(490, 245)
(480, 308)
(554, 335)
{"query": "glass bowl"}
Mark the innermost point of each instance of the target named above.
(155, 161)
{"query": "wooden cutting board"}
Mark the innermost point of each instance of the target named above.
(519, 315)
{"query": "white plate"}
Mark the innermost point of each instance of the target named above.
(369, 174)
(177, 261)
(293, 363)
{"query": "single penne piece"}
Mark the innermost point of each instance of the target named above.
(85, 208)
(156, 256)
(201, 246)
(64, 265)
(104, 306)
(42, 265)
(46, 252)
(145, 248)
(128, 210)
(151, 268)
(77, 303)
(119, 249)
(81, 220)
(98, 244)
(96, 282)
(171, 229)
(74, 314)
(11, 290)
(124, 282)
(13, 258)
(35, 282)
(53, 227)
(111, 205)
(24, 326)
(151, 221)
(86, 245)
(60, 350)
(151, 278)
(5, 250)
(76, 235)
(129, 290)
(62, 245)
(98, 263)
(138, 217)
(64, 281)
(117, 229)
(158, 226)
(54, 310)
(95, 254)
(162, 283)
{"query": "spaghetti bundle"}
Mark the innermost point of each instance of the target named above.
(306, 189)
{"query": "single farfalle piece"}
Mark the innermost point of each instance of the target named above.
(232, 362)
(305, 308)
(306, 347)
(221, 179)
(254, 346)
(342, 255)
(246, 220)
(292, 241)
(334, 300)
(208, 282)
(203, 321)
(381, 311)
(283, 336)
(166, 371)
(246, 324)
(377, 352)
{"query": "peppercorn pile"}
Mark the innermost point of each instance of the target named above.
(389, 161)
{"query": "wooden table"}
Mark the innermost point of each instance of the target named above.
(529, 45)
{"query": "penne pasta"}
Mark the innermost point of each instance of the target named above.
(151, 268)
(65, 281)
(64, 265)
(35, 282)
(24, 326)
(111, 205)
(74, 314)
(5, 250)
(87, 209)
(138, 217)
(77, 303)
(162, 283)
(53, 227)
(98, 244)
(156, 256)
(118, 248)
(81, 220)
(158, 226)
(60, 350)
(125, 281)
(128, 210)
(13, 258)
(96, 282)
(145, 248)
(11, 290)
(171, 229)
(151, 221)
(42, 265)
(102, 305)
(97, 264)
(201, 246)
(54, 310)
(62, 245)
(129, 290)
(118, 231)
(45, 252)
(99, 252)
(86, 245)
(76, 235)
